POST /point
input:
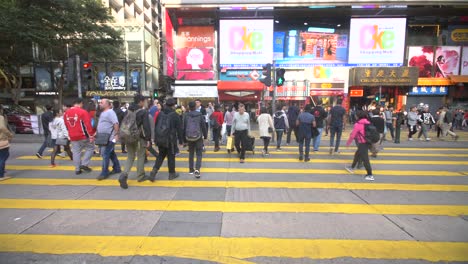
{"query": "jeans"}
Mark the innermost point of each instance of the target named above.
(77, 147)
(291, 129)
(362, 155)
(137, 149)
(163, 152)
(44, 145)
(390, 127)
(195, 147)
(4, 154)
(307, 140)
(279, 137)
(108, 154)
(216, 135)
(241, 136)
(338, 130)
(317, 139)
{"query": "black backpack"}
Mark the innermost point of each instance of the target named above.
(448, 118)
(192, 128)
(213, 122)
(371, 134)
(162, 130)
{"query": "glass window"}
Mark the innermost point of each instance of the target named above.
(134, 50)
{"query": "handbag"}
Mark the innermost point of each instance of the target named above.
(315, 132)
(61, 141)
(270, 130)
(102, 139)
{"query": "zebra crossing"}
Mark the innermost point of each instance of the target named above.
(273, 209)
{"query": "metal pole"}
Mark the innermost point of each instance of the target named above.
(380, 95)
(273, 82)
(78, 75)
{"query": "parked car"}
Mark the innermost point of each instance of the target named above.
(19, 118)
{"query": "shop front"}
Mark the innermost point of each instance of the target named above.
(430, 91)
(186, 91)
(383, 85)
(233, 92)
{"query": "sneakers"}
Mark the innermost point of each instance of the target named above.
(369, 178)
(78, 172)
(85, 169)
(102, 177)
(428, 139)
(242, 161)
(62, 155)
(5, 178)
(123, 180)
(349, 169)
(141, 178)
(301, 157)
(307, 159)
(38, 155)
(410, 139)
(191, 171)
(278, 149)
(197, 174)
(152, 175)
(173, 175)
(216, 149)
(114, 172)
(330, 151)
(53, 165)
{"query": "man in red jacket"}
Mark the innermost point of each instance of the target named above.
(81, 133)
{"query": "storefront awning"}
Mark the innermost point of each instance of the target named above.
(459, 78)
(240, 86)
(434, 81)
(202, 91)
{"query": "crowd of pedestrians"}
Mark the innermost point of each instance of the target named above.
(78, 128)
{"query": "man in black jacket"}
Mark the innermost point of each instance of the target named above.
(167, 142)
(194, 144)
(138, 147)
(293, 113)
(320, 115)
(46, 118)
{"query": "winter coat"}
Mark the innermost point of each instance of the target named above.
(358, 132)
(264, 122)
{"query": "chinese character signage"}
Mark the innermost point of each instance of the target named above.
(376, 76)
(428, 90)
(246, 43)
(377, 41)
(114, 82)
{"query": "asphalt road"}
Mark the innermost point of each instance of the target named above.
(273, 209)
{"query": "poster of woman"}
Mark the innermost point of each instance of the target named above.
(447, 61)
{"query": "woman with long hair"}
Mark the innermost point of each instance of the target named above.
(265, 125)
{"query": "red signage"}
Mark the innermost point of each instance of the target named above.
(356, 93)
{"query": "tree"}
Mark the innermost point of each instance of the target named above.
(52, 25)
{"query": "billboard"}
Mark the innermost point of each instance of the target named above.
(447, 61)
(195, 59)
(195, 76)
(246, 43)
(377, 41)
(306, 49)
(195, 37)
(423, 58)
(464, 62)
(169, 46)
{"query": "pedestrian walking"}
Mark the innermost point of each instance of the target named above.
(412, 122)
(168, 130)
(320, 115)
(59, 135)
(108, 129)
(135, 132)
(337, 114)
(389, 121)
(425, 120)
(194, 133)
(445, 123)
(281, 125)
(120, 116)
(80, 130)
(46, 118)
(266, 128)
(216, 121)
(241, 131)
(305, 122)
(362, 152)
(293, 113)
(5, 137)
(379, 123)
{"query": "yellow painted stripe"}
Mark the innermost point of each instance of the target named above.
(295, 160)
(243, 184)
(262, 170)
(234, 250)
(235, 207)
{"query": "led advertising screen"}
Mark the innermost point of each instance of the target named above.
(307, 49)
(246, 43)
(464, 62)
(377, 41)
(447, 61)
(423, 58)
(195, 59)
(195, 37)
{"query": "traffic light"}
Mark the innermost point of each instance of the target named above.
(266, 72)
(377, 97)
(87, 71)
(155, 94)
(280, 76)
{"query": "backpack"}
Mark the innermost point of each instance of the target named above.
(129, 131)
(448, 118)
(370, 134)
(388, 116)
(162, 130)
(213, 122)
(192, 128)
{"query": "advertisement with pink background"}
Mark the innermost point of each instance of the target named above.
(447, 61)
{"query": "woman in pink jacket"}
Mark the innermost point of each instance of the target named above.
(362, 152)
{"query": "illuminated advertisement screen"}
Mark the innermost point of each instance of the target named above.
(423, 58)
(307, 49)
(195, 59)
(246, 43)
(464, 62)
(377, 41)
(447, 61)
